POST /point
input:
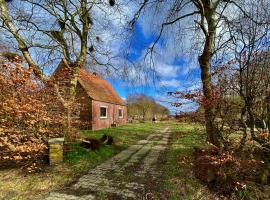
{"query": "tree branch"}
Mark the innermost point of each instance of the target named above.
(170, 23)
(21, 42)
(137, 14)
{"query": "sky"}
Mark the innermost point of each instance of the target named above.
(172, 68)
(175, 64)
(175, 74)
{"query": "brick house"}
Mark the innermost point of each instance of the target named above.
(98, 104)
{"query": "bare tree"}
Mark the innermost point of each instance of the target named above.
(209, 18)
(251, 46)
(146, 107)
(64, 27)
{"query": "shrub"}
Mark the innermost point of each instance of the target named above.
(220, 170)
(27, 117)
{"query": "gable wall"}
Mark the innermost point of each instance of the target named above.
(112, 115)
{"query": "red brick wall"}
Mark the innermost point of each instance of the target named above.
(112, 115)
(89, 109)
(85, 108)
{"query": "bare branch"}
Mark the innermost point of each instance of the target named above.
(21, 42)
(170, 23)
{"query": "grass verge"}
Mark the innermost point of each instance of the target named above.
(179, 180)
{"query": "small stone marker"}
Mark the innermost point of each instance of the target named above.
(56, 150)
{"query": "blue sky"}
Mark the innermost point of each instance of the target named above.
(173, 74)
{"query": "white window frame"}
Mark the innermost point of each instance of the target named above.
(122, 113)
(103, 117)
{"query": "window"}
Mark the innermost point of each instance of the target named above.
(121, 113)
(103, 112)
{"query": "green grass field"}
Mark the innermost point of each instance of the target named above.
(16, 184)
(178, 180)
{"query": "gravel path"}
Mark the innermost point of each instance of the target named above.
(128, 175)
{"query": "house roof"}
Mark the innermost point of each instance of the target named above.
(96, 87)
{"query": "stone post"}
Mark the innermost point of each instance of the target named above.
(56, 150)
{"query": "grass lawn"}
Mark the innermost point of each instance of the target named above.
(18, 185)
(179, 180)
(127, 135)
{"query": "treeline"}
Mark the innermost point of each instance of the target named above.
(143, 107)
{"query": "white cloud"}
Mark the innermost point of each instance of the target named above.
(166, 70)
(161, 64)
(189, 67)
(170, 83)
(194, 87)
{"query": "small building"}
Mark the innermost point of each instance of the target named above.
(98, 105)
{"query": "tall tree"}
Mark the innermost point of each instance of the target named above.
(210, 19)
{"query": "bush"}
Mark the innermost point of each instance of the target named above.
(27, 117)
(226, 172)
(220, 170)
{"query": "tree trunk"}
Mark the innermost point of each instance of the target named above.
(79, 64)
(268, 114)
(244, 138)
(72, 98)
(205, 65)
(67, 134)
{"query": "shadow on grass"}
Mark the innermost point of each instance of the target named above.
(128, 134)
(75, 153)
